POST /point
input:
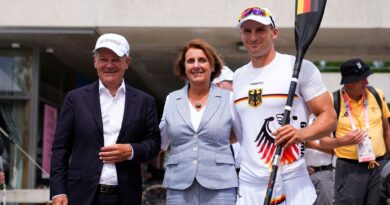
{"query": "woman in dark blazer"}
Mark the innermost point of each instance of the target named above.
(197, 123)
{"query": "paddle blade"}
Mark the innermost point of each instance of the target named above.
(308, 18)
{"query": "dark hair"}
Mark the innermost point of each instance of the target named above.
(212, 56)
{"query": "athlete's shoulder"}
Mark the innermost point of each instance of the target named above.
(305, 63)
(241, 70)
(284, 57)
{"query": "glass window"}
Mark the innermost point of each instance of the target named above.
(15, 78)
(14, 117)
(15, 72)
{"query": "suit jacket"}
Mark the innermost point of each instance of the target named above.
(202, 154)
(75, 164)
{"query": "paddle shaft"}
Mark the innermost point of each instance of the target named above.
(286, 120)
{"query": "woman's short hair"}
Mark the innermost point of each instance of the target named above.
(212, 56)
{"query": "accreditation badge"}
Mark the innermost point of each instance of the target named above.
(365, 150)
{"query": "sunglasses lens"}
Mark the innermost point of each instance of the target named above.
(258, 12)
(245, 13)
(255, 11)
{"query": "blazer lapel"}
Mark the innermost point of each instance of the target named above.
(181, 101)
(212, 105)
(129, 112)
(93, 101)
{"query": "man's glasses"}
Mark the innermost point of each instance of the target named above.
(257, 11)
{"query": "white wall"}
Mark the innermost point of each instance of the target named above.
(181, 13)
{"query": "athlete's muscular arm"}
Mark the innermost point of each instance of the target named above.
(322, 107)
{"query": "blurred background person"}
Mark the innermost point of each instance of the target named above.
(385, 182)
(319, 166)
(198, 122)
(362, 124)
(2, 175)
(225, 81)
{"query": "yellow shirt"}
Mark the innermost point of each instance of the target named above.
(375, 121)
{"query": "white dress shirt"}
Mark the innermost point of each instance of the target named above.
(112, 108)
(317, 158)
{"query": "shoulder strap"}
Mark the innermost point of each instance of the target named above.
(336, 105)
(376, 95)
(336, 102)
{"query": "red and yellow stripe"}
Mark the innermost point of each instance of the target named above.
(265, 97)
(278, 200)
(306, 6)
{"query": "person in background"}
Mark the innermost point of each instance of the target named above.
(320, 168)
(2, 170)
(198, 124)
(225, 81)
(362, 137)
(105, 131)
(2, 178)
(385, 183)
(260, 92)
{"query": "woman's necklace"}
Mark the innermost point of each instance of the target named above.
(199, 103)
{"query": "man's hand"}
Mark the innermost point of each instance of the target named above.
(310, 170)
(353, 137)
(115, 153)
(60, 200)
(287, 135)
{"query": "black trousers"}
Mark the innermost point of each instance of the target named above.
(102, 198)
(355, 184)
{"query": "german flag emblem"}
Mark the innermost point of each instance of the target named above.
(254, 97)
(307, 6)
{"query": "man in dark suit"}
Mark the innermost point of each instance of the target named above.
(105, 131)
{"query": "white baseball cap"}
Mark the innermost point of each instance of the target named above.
(260, 15)
(117, 43)
(226, 75)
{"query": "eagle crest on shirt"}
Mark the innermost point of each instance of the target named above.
(254, 97)
(266, 144)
